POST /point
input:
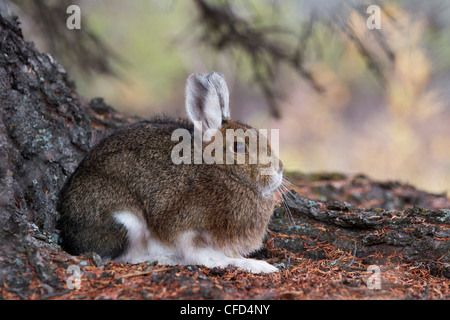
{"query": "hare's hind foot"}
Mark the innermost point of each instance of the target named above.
(254, 266)
(209, 256)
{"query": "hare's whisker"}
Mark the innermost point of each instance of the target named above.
(282, 191)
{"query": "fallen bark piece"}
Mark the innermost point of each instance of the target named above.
(412, 235)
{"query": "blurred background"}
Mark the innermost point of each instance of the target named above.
(346, 98)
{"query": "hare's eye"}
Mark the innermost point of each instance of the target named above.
(240, 147)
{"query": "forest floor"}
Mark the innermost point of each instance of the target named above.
(319, 271)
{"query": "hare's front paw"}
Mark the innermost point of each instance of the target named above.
(255, 266)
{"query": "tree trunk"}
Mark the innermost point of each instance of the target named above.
(46, 129)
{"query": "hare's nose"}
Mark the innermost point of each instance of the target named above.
(280, 166)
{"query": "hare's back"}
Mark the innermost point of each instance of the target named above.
(148, 137)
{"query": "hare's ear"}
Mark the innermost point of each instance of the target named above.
(202, 103)
(218, 80)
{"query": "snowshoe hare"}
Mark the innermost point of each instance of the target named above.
(129, 201)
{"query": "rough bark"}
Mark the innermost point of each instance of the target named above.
(46, 129)
(411, 235)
